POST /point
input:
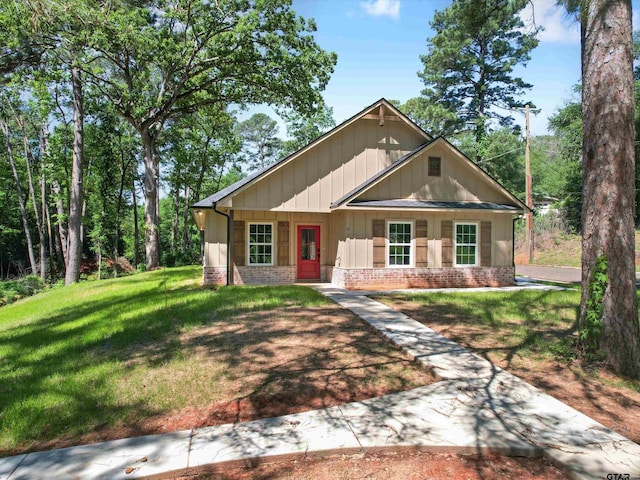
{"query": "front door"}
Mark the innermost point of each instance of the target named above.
(309, 252)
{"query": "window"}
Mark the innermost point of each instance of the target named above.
(434, 166)
(260, 244)
(399, 236)
(466, 244)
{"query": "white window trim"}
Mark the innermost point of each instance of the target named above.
(411, 244)
(273, 244)
(455, 244)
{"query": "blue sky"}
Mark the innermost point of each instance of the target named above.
(379, 43)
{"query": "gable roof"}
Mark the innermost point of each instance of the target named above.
(240, 185)
(378, 176)
(350, 197)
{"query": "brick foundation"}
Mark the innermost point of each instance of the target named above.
(370, 278)
(258, 275)
(214, 276)
(251, 275)
(389, 278)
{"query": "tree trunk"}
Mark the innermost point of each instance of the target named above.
(608, 208)
(74, 254)
(55, 250)
(151, 197)
(136, 230)
(44, 209)
(34, 201)
(175, 224)
(186, 238)
(99, 261)
(63, 229)
(124, 167)
(55, 247)
(23, 209)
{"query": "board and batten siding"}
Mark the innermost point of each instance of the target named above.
(356, 240)
(215, 240)
(458, 181)
(331, 169)
(216, 235)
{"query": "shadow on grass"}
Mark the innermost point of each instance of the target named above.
(539, 327)
(301, 359)
(58, 370)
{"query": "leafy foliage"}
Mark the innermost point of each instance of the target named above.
(567, 127)
(592, 326)
(12, 290)
(160, 75)
(303, 129)
(501, 154)
(468, 68)
(260, 143)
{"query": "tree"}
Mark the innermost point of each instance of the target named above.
(20, 45)
(260, 143)
(199, 148)
(165, 59)
(502, 156)
(468, 69)
(566, 125)
(432, 118)
(4, 129)
(112, 154)
(608, 307)
(304, 129)
(58, 36)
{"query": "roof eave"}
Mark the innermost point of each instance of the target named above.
(517, 211)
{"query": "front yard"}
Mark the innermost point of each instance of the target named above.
(156, 352)
(530, 333)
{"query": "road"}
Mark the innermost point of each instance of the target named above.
(554, 274)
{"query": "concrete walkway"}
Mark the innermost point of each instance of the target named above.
(475, 407)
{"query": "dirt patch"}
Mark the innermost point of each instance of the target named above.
(256, 365)
(592, 391)
(387, 465)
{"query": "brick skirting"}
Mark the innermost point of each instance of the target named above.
(269, 275)
(370, 278)
(388, 278)
(251, 275)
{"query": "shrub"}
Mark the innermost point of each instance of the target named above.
(32, 284)
(12, 290)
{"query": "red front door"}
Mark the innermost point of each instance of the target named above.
(309, 252)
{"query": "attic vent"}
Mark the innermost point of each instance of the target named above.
(434, 166)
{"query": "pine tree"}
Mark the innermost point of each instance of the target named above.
(468, 69)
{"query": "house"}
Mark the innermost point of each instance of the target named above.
(544, 204)
(374, 203)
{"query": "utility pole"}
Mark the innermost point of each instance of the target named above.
(528, 186)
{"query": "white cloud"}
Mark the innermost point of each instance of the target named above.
(558, 26)
(380, 8)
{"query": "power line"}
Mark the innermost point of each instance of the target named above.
(501, 155)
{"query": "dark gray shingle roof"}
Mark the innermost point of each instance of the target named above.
(433, 205)
(210, 200)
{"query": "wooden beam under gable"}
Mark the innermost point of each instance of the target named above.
(375, 116)
(382, 114)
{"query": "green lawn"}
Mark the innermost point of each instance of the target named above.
(61, 350)
(156, 351)
(530, 327)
